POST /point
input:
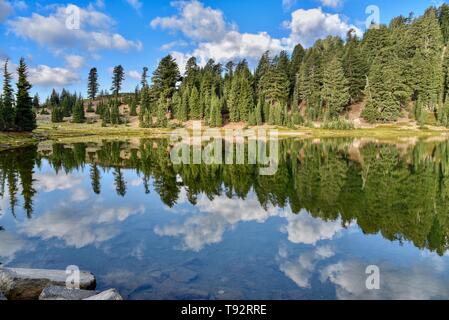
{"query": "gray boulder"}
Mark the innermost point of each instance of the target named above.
(108, 295)
(62, 293)
(2, 297)
(27, 284)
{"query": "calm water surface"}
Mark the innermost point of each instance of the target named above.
(156, 231)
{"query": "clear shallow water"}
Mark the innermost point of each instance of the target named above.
(157, 231)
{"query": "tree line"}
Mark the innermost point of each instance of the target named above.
(394, 70)
(16, 111)
(400, 69)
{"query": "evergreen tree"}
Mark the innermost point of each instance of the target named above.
(233, 100)
(78, 112)
(118, 75)
(246, 99)
(165, 78)
(259, 113)
(162, 108)
(133, 108)
(194, 105)
(36, 104)
(335, 88)
(183, 114)
(25, 118)
(295, 65)
(7, 112)
(355, 67)
(144, 80)
(92, 86)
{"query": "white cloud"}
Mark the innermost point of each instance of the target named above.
(181, 60)
(216, 216)
(215, 38)
(332, 3)
(5, 9)
(49, 182)
(133, 74)
(171, 45)
(307, 26)
(79, 228)
(52, 77)
(300, 270)
(79, 195)
(75, 61)
(236, 45)
(304, 229)
(421, 281)
(51, 31)
(9, 244)
(195, 21)
(136, 4)
(287, 4)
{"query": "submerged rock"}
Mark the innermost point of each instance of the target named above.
(183, 275)
(108, 295)
(27, 284)
(62, 293)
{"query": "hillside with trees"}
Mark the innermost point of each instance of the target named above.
(394, 71)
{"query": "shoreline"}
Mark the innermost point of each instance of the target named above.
(69, 131)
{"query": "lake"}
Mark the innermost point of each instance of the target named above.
(335, 209)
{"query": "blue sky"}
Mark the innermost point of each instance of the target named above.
(137, 33)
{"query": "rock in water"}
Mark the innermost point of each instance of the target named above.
(2, 297)
(27, 284)
(62, 293)
(109, 295)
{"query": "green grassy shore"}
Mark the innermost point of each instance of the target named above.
(80, 132)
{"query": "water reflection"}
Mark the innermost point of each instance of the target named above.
(158, 230)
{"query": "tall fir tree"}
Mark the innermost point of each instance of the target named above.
(335, 88)
(25, 118)
(92, 85)
(7, 112)
(118, 75)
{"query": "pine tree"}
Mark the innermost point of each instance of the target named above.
(443, 19)
(57, 114)
(233, 100)
(146, 112)
(295, 65)
(183, 114)
(258, 113)
(246, 99)
(335, 88)
(162, 108)
(144, 80)
(215, 113)
(78, 112)
(36, 103)
(194, 105)
(252, 119)
(118, 75)
(114, 112)
(385, 92)
(355, 67)
(92, 86)
(165, 78)
(25, 118)
(7, 112)
(133, 108)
